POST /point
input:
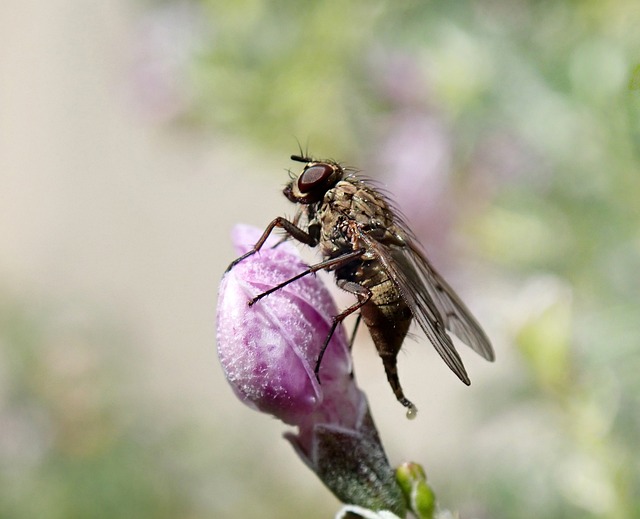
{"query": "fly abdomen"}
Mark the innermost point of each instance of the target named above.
(388, 318)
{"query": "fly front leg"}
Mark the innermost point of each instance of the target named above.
(296, 219)
(363, 294)
(291, 228)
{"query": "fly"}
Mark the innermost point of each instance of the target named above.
(375, 257)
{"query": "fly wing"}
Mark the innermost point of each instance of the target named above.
(457, 317)
(404, 270)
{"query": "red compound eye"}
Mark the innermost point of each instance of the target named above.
(313, 177)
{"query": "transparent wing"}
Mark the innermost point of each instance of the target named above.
(402, 270)
(458, 319)
(434, 304)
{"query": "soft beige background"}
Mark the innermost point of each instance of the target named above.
(101, 209)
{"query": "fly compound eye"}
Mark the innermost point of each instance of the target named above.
(313, 177)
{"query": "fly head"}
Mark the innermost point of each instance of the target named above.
(313, 182)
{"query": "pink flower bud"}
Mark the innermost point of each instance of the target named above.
(269, 351)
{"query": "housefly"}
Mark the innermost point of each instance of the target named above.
(375, 257)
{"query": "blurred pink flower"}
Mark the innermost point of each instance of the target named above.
(413, 152)
(164, 43)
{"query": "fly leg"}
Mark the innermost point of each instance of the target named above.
(355, 330)
(391, 369)
(363, 294)
(296, 219)
(326, 264)
(291, 228)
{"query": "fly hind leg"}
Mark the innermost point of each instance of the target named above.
(363, 294)
(390, 364)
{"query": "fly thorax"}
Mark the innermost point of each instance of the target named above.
(334, 232)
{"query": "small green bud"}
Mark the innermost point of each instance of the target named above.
(413, 482)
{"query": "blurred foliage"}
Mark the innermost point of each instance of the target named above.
(69, 446)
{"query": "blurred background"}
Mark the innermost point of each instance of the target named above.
(135, 134)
